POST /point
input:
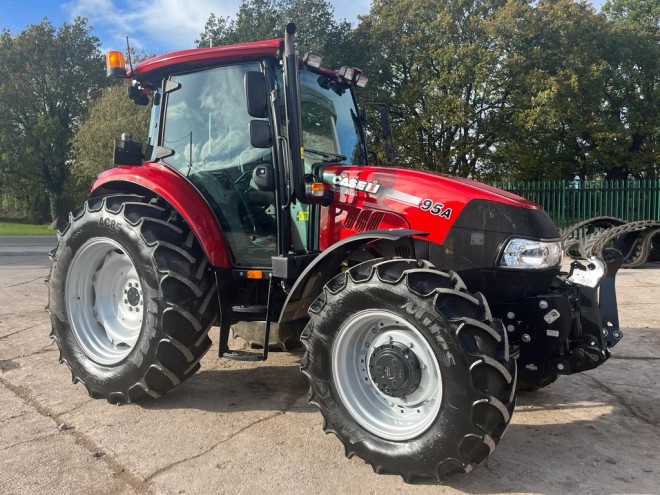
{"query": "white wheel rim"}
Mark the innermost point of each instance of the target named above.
(104, 303)
(388, 417)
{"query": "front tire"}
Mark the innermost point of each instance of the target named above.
(408, 369)
(131, 298)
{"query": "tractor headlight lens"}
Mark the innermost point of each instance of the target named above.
(529, 254)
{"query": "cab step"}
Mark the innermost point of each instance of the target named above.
(250, 313)
(243, 355)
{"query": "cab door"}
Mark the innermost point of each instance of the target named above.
(205, 127)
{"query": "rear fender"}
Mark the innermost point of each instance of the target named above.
(372, 244)
(179, 193)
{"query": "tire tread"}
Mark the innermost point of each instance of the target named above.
(190, 295)
(472, 317)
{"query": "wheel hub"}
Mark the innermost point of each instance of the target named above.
(133, 296)
(395, 370)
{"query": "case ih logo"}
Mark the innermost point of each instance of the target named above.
(356, 184)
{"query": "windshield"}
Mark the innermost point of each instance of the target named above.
(329, 121)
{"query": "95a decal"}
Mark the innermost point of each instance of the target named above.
(435, 208)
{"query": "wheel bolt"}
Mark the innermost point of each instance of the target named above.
(130, 284)
(125, 291)
(130, 308)
(125, 301)
(526, 338)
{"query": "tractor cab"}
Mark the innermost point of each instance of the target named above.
(250, 128)
(225, 126)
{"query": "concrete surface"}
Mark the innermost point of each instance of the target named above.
(244, 428)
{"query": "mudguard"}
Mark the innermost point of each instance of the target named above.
(179, 193)
(327, 264)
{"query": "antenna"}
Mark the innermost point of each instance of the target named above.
(128, 52)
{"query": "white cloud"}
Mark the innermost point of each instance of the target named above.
(165, 25)
(154, 26)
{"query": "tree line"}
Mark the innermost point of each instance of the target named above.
(489, 89)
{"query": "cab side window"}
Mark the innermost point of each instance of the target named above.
(206, 126)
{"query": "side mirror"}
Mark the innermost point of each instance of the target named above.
(264, 177)
(127, 151)
(137, 95)
(260, 136)
(385, 127)
(387, 132)
(256, 95)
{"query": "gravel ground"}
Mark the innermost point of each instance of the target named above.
(245, 428)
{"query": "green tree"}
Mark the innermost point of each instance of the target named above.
(112, 114)
(554, 56)
(437, 65)
(49, 78)
(583, 93)
(633, 96)
(256, 20)
(217, 31)
(642, 13)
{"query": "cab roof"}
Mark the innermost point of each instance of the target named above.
(183, 60)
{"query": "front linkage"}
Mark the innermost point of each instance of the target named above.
(569, 328)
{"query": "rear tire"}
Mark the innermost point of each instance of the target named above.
(131, 298)
(446, 402)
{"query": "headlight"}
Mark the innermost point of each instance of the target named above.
(529, 254)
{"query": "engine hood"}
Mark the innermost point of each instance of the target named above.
(420, 184)
(367, 198)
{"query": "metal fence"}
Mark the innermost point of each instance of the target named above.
(569, 202)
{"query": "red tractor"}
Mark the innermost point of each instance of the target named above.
(423, 301)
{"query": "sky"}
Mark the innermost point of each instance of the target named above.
(155, 26)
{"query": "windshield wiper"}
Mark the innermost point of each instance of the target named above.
(327, 157)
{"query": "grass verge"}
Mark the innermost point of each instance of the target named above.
(9, 227)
